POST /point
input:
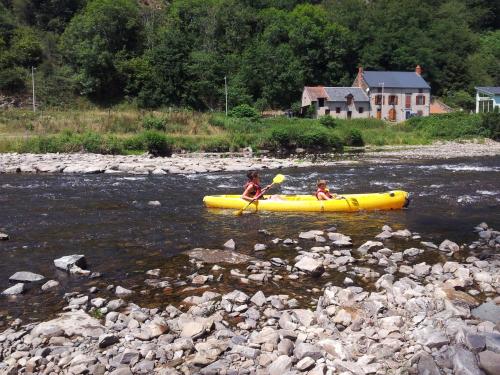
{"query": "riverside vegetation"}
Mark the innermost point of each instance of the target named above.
(129, 131)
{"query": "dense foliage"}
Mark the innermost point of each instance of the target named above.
(156, 53)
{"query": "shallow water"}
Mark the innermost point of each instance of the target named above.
(106, 217)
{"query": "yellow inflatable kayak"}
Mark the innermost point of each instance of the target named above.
(392, 200)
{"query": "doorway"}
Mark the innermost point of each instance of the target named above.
(392, 114)
(379, 114)
(349, 115)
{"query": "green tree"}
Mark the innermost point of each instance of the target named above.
(97, 41)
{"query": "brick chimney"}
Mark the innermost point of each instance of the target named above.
(418, 70)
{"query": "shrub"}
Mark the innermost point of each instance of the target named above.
(490, 122)
(449, 126)
(354, 138)
(156, 143)
(328, 121)
(244, 111)
(154, 123)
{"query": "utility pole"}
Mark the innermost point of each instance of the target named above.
(225, 90)
(33, 86)
(382, 102)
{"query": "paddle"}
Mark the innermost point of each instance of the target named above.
(278, 179)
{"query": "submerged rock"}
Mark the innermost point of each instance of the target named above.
(4, 236)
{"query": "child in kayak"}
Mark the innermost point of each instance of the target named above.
(253, 188)
(322, 192)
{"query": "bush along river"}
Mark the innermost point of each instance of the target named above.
(130, 274)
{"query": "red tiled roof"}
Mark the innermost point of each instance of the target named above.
(316, 92)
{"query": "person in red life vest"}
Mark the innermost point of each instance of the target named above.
(252, 187)
(322, 192)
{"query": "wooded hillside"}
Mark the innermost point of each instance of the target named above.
(154, 53)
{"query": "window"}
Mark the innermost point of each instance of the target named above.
(420, 91)
(378, 99)
(327, 111)
(361, 110)
(420, 100)
(337, 109)
(393, 100)
(321, 102)
(349, 99)
(379, 89)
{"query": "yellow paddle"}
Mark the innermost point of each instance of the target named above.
(278, 179)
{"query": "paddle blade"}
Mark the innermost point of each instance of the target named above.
(278, 179)
(238, 213)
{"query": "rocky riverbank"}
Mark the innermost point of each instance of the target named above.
(391, 314)
(202, 163)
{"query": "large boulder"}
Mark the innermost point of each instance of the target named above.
(25, 276)
(67, 262)
(75, 323)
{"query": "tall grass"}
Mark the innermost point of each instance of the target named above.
(122, 131)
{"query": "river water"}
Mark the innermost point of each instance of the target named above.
(107, 218)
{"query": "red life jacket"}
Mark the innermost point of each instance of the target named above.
(327, 193)
(256, 189)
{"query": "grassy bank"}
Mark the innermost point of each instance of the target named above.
(132, 131)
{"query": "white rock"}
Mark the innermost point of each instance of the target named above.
(121, 291)
(68, 261)
(14, 290)
(26, 276)
(310, 265)
(230, 244)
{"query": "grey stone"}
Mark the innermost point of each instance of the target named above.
(280, 366)
(51, 284)
(106, 340)
(67, 262)
(487, 311)
(122, 292)
(236, 296)
(307, 350)
(370, 245)
(285, 347)
(14, 290)
(129, 357)
(431, 337)
(429, 245)
(493, 342)
(259, 247)
(76, 323)
(305, 364)
(115, 304)
(310, 265)
(426, 365)
(25, 276)
(490, 362)
(464, 362)
(475, 343)
(402, 233)
(230, 245)
(448, 245)
(121, 371)
(258, 299)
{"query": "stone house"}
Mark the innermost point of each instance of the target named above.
(338, 102)
(387, 95)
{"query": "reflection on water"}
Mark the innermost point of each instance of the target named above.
(107, 218)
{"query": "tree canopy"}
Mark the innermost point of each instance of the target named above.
(156, 53)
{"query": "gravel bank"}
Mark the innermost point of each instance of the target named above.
(202, 163)
(413, 319)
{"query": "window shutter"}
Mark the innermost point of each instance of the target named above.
(395, 99)
(423, 99)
